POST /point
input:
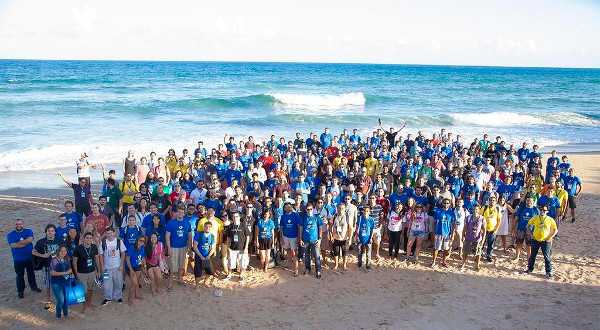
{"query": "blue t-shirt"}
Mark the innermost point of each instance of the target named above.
(523, 216)
(289, 224)
(232, 174)
(310, 228)
(62, 233)
(179, 232)
(192, 219)
(205, 242)
(136, 256)
(571, 183)
(326, 140)
(365, 229)
(443, 221)
(147, 221)
(129, 235)
(22, 253)
(265, 228)
(456, 184)
(73, 220)
(553, 205)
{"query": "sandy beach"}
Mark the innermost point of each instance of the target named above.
(392, 296)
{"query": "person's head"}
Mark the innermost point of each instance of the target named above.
(492, 201)
(50, 231)
(460, 202)
(191, 208)
(62, 252)
(154, 239)
(140, 241)
(88, 238)
(180, 212)
(446, 203)
(69, 206)
(62, 220)
(207, 226)
(398, 207)
(110, 233)
(83, 182)
(366, 211)
(156, 220)
(102, 200)
(72, 233)
(544, 210)
(266, 214)
(131, 221)
(372, 200)
(129, 177)
(131, 210)
(348, 198)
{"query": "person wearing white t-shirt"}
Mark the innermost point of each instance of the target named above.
(112, 252)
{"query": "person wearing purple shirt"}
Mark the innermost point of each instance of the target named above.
(474, 237)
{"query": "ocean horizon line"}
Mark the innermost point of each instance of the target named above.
(283, 62)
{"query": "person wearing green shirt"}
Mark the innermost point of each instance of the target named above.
(543, 229)
(114, 197)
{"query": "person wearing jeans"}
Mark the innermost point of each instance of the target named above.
(60, 271)
(491, 214)
(543, 230)
(310, 227)
(20, 241)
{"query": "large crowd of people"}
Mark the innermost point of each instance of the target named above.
(312, 201)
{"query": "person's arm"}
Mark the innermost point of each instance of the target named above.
(128, 261)
(98, 269)
(195, 249)
(578, 189)
(300, 241)
(65, 180)
(273, 240)
(122, 259)
(189, 241)
(55, 273)
(75, 272)
(22, 243)
(167, 242)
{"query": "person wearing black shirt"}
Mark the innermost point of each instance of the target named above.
(46, 248)
(237, 236)
(85, 267)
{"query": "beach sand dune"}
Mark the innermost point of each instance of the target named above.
(393, 295)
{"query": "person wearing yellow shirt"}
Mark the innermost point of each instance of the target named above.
(128, 190)
(371, 164)
(563, 198)
(217, 230)
(543, 229)
(492, 216)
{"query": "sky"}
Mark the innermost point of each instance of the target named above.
(554, 33)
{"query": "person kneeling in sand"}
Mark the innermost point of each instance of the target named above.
(204, 248)
(474, 237)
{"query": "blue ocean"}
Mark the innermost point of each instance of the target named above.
(51, 111)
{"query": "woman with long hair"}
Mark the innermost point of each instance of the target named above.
(135, 265)
(263, 238)
(155, 255)
(60, 271)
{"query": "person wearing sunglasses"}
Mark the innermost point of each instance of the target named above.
(543, 229)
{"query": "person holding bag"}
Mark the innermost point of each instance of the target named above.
(60, 272)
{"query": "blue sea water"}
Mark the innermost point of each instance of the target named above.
(53, 110)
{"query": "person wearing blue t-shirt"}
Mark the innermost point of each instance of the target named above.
(573, 188)
(326, 138)
(191, 217)
(178, 239)
(364, 232)
(62, 230)
(20, 241)
(310, 227)
(73, 218)
(130, 233)
(522, 215)
(136, 264)
(443, 219)
(288, 223)
(263, 237)
(204, 247)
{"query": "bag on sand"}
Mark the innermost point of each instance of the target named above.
(75, 292)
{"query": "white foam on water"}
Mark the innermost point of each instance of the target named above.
(320, 101)
(507, 119)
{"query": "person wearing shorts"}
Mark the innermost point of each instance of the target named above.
(444, 220)
(178, 237)
(288, 224)
(522, 215)
(237, 237)
(264, 237)
(418, 220)
(364, 234)
(573, 188)
(85, 266)
(204, 246)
